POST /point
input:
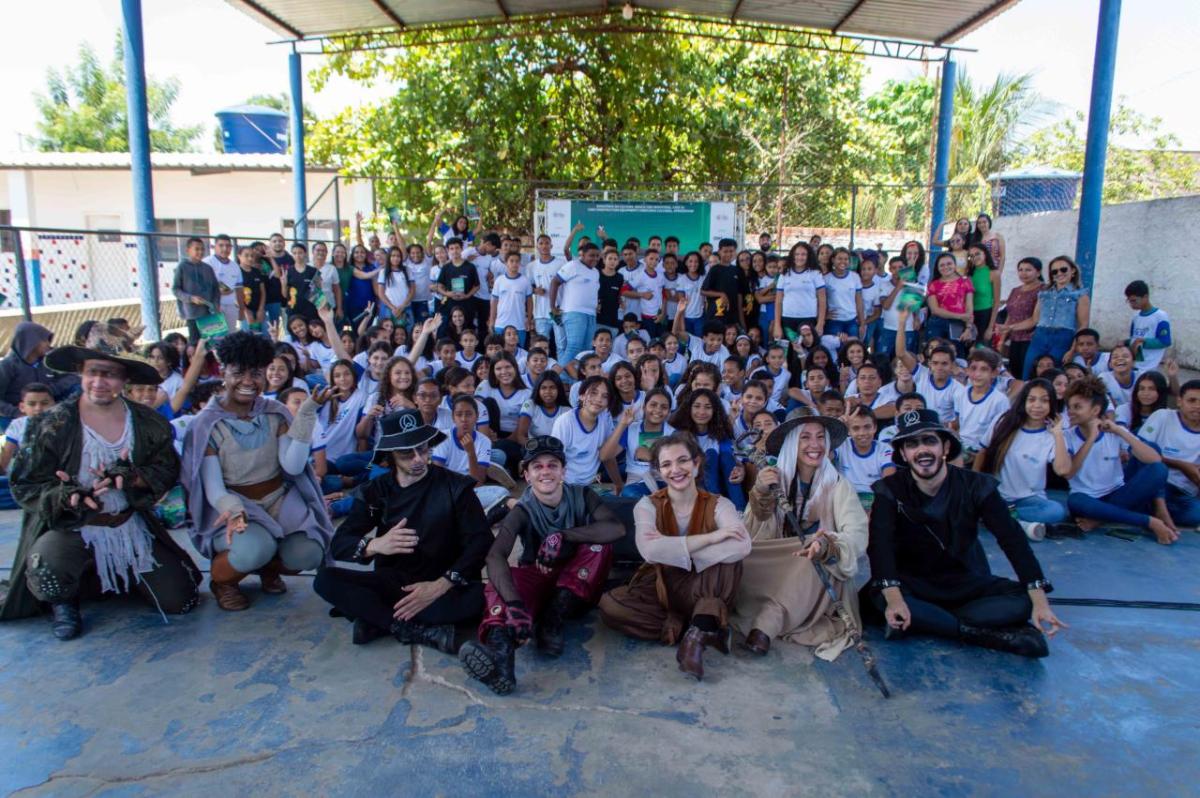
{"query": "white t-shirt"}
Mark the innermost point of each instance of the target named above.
(480, 410)
(779, 382)
(453, 457)
(540, 275)
(863, 470)
(16, 430)
(580, 289)
(671, 284)
(676, 366)
(468, 363)
(643, 281)
(891, 316)
(696, 351)
(839, 296)
(632, 303)
(1147, 327)
(1099, 368)
(485, 266)
(395, 286)
(694, 307)
(510, 294)
(1118, 393)
(1101, 472)
(418, 272)
(1177, 442)
(870, 295)
(1023, 472)
(581, 445)
(621, 342)
(541, 422)
(509, 405)
(975, 419)
(171, 384)
(799, 291)
(636, 436)
(941, 399)
(229, 273)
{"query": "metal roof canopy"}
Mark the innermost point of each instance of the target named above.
(913, 30)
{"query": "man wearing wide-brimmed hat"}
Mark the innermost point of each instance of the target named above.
(930, 573)
(425, 532)
(88, 474)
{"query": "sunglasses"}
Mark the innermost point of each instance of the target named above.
(416, 451)
(545, 443)
(1064, 270)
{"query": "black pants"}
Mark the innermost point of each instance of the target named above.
(1017, 352)
(59, 561)
(993, 602)
(513, 452)
(372, 596)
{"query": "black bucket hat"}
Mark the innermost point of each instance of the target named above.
(834, 428)
(405, 429)
(915, 422)
(138, 370)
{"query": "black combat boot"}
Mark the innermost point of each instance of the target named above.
(493, 661)
(1026, 640)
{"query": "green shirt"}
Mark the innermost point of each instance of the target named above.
(981, 281)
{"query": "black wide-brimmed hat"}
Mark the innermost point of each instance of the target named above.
(915, 422)
(405, 429)
(138, 370)
(835, 429)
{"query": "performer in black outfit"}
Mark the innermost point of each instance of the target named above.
(424, 530)
(929, 569)
(566, 533)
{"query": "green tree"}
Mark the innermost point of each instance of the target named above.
(585, 111)
(1130, 173)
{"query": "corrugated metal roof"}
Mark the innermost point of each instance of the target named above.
(194, 161)
(936, 21)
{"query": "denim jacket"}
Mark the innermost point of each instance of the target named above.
(1058, 307)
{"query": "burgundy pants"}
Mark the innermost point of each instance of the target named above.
(584, 575)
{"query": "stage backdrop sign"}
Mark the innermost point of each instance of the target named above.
(691, 222)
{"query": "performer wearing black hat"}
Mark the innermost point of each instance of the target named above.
(566, 532)
(929, 570)
(424, 530)
(87, 475)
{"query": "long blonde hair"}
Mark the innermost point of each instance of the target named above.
(819, 506)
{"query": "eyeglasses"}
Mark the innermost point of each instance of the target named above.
(413, 453)
(1063, 270)
(545, 443)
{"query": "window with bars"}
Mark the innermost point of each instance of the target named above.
(172, 245)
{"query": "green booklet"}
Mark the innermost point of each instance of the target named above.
(212, 326)
(911, 297)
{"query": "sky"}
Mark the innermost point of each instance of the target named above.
(221, 57)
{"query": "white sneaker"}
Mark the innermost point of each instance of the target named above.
(1033, 530)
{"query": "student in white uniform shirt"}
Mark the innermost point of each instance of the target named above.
(589, 366)
(583, 431)
(1120, 377)
(1016, 450)
(541, 271)
(630, 330)
(870, 392)
(1100, 491)
(1150, 328)
(775, 373)
(512, 299)
(934, 381)
(708, 347)
(1086, 351)
(978, 406)
(487, 266)
(843, 293)
(647, 282)
(1177, 435)
(633, 434)
(800, 293)
(465, 451)
(862, 460)
(675, 362)
(754, 398)
(229, 275)
(429, 402)
(545, 404)
(36, 398)
(505, 387)
(468, 353)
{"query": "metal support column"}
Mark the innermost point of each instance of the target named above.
(941, 161)
(139, 162)
(337, 209)
(1088, 232)
(300, 186)
(22, 278)
(853, 213)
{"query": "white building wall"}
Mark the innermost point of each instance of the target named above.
(1138, 241)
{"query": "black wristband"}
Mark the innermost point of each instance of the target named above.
(1040, 584)
(455, 578)
(360, 551)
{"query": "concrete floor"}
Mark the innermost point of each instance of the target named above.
(276, 701)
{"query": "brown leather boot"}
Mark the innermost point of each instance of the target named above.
(271, 575)
(757, 642)
(690, 654)
(223, 581)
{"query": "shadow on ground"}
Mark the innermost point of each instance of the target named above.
(276, 701)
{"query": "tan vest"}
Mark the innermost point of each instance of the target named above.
(704, 514)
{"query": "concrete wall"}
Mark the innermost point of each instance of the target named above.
(1138, 240)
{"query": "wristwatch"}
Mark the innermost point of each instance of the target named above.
(455, 578)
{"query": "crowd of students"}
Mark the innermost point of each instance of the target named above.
(607, 346)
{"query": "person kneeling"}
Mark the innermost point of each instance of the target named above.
(693, 543)
(566, 533)
(930, 571)
(425, 532)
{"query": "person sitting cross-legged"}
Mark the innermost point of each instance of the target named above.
(566, 533)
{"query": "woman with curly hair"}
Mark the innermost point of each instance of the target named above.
(254, 501)
(703, 415)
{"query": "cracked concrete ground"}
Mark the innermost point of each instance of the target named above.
(276, 700)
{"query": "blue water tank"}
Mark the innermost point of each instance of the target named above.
(253, 128)
(1033, 190)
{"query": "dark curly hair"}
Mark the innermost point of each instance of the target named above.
(245, 350)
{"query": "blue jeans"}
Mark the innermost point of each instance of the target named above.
(694, 326)
(579, 327)
(887, 341)
(1053, 341)
(871, 339)
(274, 311)
(1129, 504)
(1040, 510)
(635, 490)
(1184, 509)
(837, 326)
(418, 311)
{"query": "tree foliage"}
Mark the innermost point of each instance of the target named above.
(83, 108)
(1130, 174)
(585, 110)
